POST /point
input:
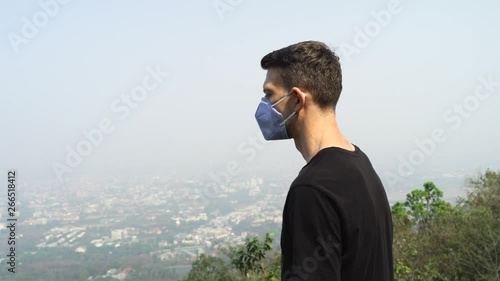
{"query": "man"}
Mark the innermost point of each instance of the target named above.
(336, 221)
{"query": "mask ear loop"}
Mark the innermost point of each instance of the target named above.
(291, 115)
(284, 121)
(278, 101)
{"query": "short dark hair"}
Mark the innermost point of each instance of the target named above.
(312, 65)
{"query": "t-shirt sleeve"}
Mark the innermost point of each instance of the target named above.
(316, 236)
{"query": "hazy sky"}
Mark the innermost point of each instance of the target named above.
(412, 70)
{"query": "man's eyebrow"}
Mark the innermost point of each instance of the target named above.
(268, 91)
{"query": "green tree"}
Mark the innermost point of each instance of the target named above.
(207, 268)
(249, 259)
(252, 261)
(436, 241)
(419, 250)
(484, 191)
(480, 249)
(424, 204)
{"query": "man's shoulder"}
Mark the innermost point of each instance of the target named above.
(336, 173)
(306, 194)
(297, 189)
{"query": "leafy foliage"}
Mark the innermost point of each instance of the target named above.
(436, 241)
(425, 204)
(207, 268)
(250, 262)
(250, 257)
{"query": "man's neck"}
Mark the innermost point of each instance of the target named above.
(323, 132)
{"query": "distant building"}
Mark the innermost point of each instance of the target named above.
(118, 234)
(81, 249)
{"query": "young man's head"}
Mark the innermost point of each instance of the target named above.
(303, 79)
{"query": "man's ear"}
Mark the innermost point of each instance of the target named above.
(300, 98)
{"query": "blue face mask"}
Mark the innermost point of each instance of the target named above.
(271, 121)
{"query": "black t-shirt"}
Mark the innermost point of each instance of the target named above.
(337, 221)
